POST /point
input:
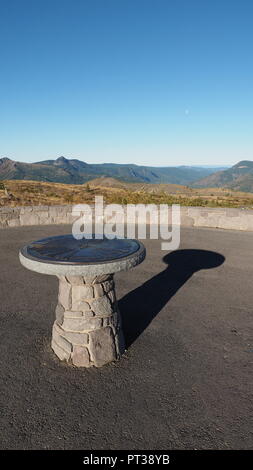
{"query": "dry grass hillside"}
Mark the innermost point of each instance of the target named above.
(17, 193)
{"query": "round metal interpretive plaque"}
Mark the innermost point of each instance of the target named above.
(66, 249)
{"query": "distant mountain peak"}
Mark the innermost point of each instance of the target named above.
(61, 160)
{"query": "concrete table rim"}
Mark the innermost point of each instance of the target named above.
(89, 269)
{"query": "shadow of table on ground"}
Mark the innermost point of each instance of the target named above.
(140, 306)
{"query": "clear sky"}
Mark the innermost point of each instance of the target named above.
(157, 82)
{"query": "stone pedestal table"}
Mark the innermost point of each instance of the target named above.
(87, 330)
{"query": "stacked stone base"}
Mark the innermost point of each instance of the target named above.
(87, 330)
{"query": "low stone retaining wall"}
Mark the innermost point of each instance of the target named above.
(233, 219)
(35, 215)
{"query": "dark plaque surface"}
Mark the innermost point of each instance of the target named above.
(66, 249)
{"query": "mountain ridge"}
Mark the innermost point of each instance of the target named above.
(74, 171)
(239, 178)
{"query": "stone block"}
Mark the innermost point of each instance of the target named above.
(6, 210)
(57, 329)
(102, 306)
(98, 290)
(43, 217)
(55, 211)
(61, 353)
(65, 295)
(81, 306)
(62, 342)
(81, 324)
(6, 217)
(13, 223)
(82, 292)
(80, 356)
(249, 222)
(76, 338)
(102, 346)
(26, 209)
(29, 219)
(72, 314)
(59, 313)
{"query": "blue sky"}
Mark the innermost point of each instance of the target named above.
(155, 82)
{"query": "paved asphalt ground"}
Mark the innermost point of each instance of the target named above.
(186, 380)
